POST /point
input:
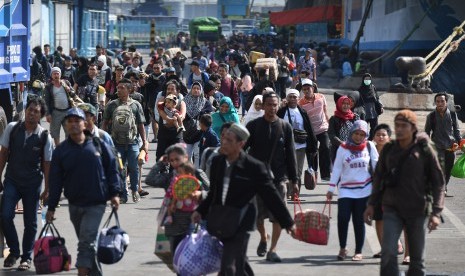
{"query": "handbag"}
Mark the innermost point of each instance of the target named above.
(112, 241)
(458, 170)
(162, 248)
(50, 253)
(310, 179)
(159, 176)
(192, 133)
(378, 107)
(312, 226)
(300, 135)
(198, 253)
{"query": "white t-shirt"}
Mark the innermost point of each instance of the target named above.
(297, 123)
(48, 147)
(60, 98)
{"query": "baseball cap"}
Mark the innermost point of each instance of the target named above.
(75, 112)
(169, 70)
(87, 107)
(172, 97)
(307, 82)
(68, 58)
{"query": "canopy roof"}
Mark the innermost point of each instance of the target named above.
(306, 15)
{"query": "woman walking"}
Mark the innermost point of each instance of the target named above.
(352, 174)
(369, 99)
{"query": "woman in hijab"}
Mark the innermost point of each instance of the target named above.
(196, 106)
(104, 73)
(369, 99)
(340, 124)
(255, 110)
(355, 161)
(226, 113)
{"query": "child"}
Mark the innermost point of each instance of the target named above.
(209, 137)
(184, 205)
(169, 106)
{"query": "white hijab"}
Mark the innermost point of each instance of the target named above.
(253, 113)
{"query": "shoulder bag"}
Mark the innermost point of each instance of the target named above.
(300, 135)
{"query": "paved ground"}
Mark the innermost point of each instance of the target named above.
(444, 255)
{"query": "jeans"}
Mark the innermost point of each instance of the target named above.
(129, 155)
(86, 222)
(324, 156)
(446, 160)
(193, 153)
(416, 234)
(243, 96)
(30, 197)
(347, 207)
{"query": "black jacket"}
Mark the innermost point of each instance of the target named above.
(312, 142)
(249, 177)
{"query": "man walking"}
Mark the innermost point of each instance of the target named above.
(272, 142)
(58, 94)
(88, 175)
(442, 125)
(236, 178)
(124, 120)
(409, 184)
(27, 147)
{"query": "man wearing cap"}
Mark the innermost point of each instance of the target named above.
(299, 121)
(272, 142)
(315, 106)
(88, 176)
(235, 179)
(409, 184)
(196, 75)
(58, 96)
(307, 63)
(91, 117)
(27, 147)
(69, 71)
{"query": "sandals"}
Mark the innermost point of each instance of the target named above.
(10, 261)
(342, 254)
(406, 261)
(357, 257)
(377, 255)
(25, 265)
(261, 249)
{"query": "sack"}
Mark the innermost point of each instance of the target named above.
(310, 179)
(198, 254)
(50, 254)
(112, 242)
(123, 124)
(458, 170)
(162, 248)
(300, 136)
(223, 221)
(312, 226)
(159, 176)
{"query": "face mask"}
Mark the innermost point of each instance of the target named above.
(367, 82)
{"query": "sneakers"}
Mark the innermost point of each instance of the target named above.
(135, 197)
(261, 249)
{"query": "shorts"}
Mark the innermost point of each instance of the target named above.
(263, 212)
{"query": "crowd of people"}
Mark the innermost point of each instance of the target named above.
(200, 129)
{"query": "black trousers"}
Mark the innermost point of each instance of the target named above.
(323, 158)
(234, 261)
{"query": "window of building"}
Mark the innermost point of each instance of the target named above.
(395, 5)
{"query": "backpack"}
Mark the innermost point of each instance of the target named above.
(123, 124)
(112, 241)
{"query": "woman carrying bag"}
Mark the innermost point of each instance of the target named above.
(352, 174)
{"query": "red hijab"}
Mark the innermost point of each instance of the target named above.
(345, 116)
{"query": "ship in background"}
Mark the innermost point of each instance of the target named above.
(337, 22)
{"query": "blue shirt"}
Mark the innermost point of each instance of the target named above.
(86, 177)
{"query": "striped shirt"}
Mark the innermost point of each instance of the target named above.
(315, 110)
